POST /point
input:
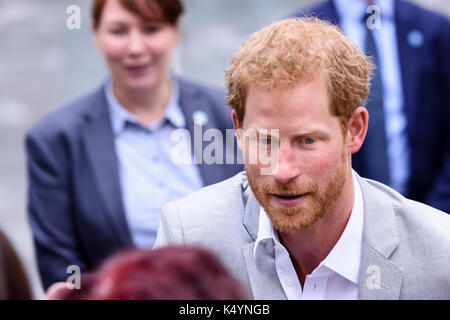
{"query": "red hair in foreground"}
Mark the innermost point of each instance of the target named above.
(170, 273)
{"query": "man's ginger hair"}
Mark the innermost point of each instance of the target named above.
(299, 49)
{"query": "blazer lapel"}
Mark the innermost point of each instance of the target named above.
(261, 271)
(379, 277)
(405, 23)
(99, 145)
(192, 102)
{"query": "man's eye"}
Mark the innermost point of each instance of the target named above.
(265, 140)
(309, 140)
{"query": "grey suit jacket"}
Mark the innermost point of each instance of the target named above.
(405, 249)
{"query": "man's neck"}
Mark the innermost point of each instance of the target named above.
(308, 248)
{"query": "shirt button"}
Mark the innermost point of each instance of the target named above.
(289, 281)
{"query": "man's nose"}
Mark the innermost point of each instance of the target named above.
(288, 166)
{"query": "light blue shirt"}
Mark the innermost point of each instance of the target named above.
(149, 178)
(398, 151)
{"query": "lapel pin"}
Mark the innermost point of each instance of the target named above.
(415, 38)
(200, 118)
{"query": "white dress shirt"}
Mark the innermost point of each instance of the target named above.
(336, 277)
(350, 14)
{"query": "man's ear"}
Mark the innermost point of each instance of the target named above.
(237, 128)
(357, 129)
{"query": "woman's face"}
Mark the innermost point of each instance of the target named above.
(136, 51)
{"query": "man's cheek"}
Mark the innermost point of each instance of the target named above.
(323, 166)
(254, 170)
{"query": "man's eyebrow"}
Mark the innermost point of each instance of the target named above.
(319, 134)
(312, 132)
(307, 132)
(267, 131)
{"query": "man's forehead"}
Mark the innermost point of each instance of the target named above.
(279, 102)
(285, 90)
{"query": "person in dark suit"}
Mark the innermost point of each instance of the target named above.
(101, 169)
(411, 143)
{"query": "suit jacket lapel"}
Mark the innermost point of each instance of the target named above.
(379, 277)
(99, 145)
(261, 271)
(404, 24)
(192, 101)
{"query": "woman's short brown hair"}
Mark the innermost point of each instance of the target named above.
(297, 49)
(167, 10)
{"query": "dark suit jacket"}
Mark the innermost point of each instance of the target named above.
(74, 199)
(425, 74)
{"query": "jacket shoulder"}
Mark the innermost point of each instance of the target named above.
(423, 236)
(202, 90)
(409, 213)
(417, 10)
(412, 235)
(426, 224)
(214, 206)
(426, 20)
(213, 99)
(68, 118)
(424, 251)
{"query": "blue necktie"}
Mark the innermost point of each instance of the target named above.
(374, 150)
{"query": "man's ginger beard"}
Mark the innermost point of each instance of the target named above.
(299, 218)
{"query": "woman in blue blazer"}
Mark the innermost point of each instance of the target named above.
(101, 169)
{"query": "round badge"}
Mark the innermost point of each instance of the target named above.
(415, 38)
(200, 118)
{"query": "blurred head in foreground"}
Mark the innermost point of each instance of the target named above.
(170, 273)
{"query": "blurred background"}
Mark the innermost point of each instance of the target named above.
(44, 65)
